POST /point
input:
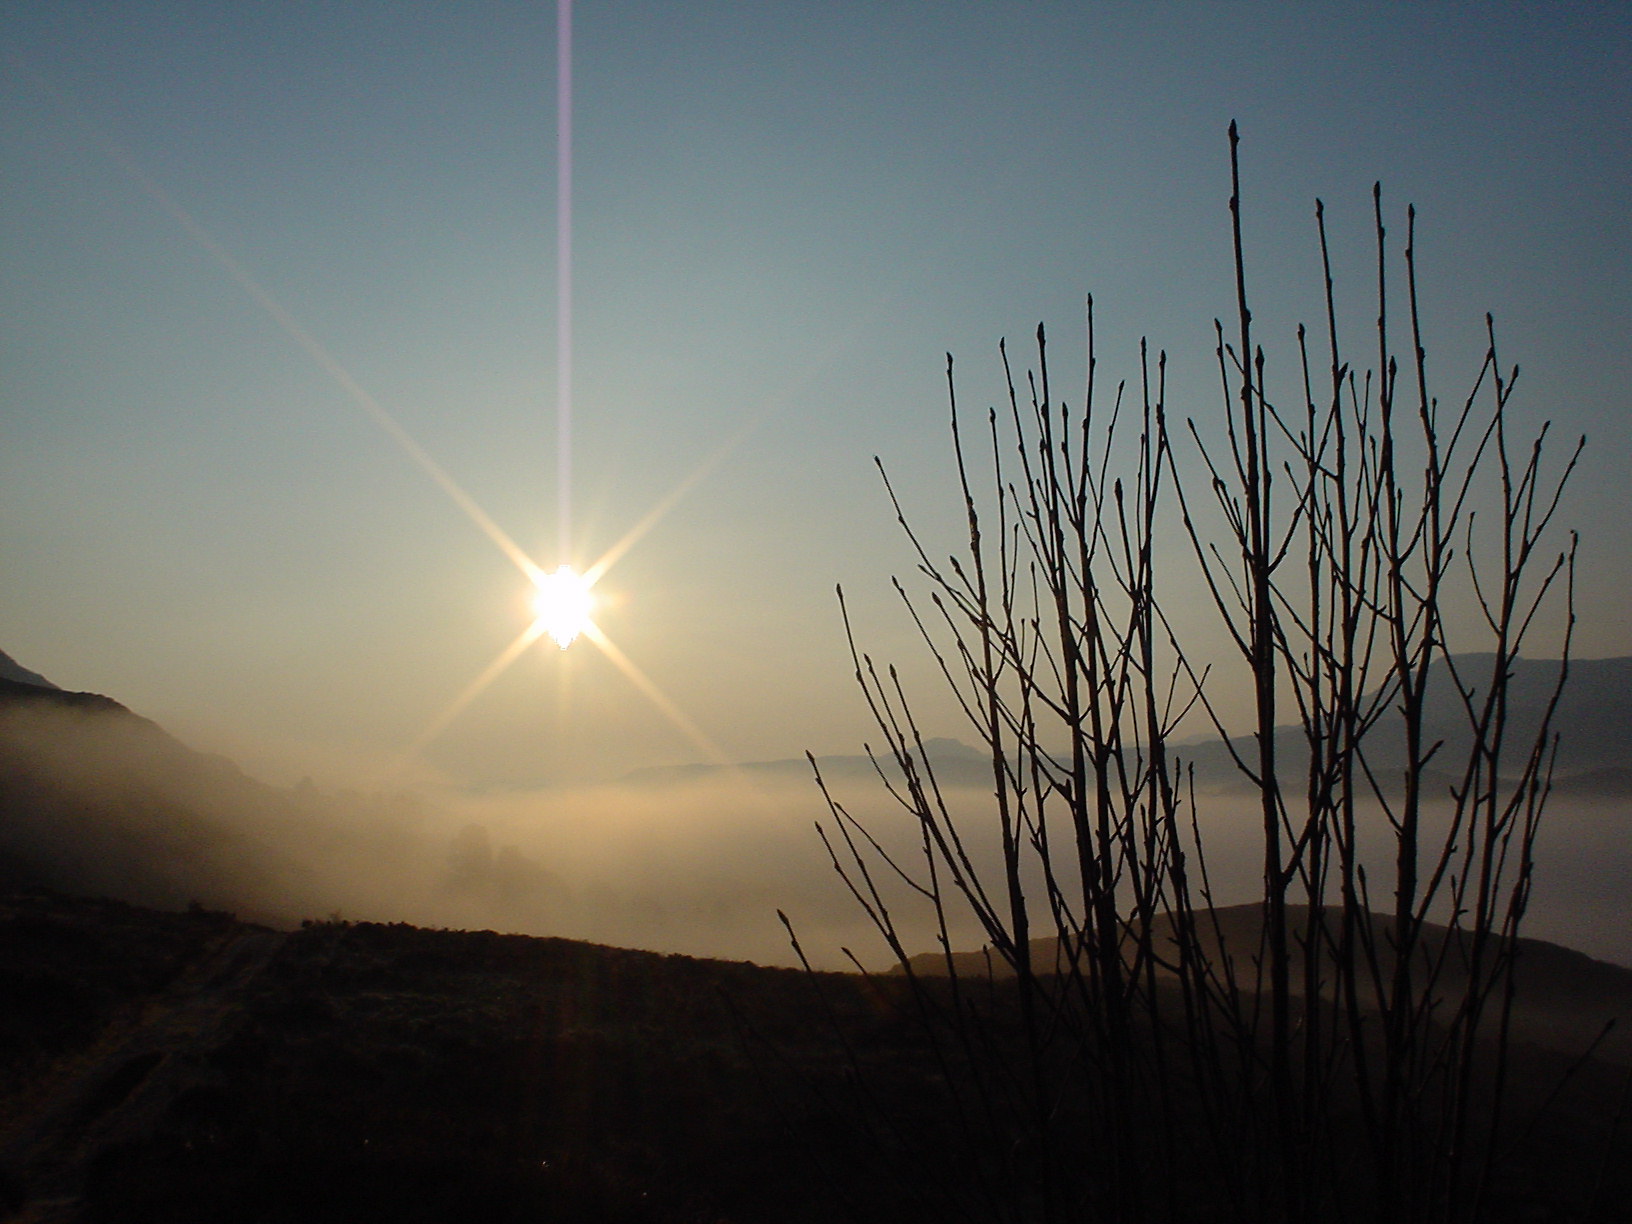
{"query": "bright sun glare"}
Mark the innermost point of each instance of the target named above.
(562, 602)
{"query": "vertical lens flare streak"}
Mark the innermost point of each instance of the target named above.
(563, 274)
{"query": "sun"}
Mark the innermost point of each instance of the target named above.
(562, 602)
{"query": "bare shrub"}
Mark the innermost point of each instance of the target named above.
(1125, 1049)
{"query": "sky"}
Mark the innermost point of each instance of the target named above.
(783, 216)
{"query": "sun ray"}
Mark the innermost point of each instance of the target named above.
(655, 515)
(291, 327)
(656, 696)
(325, 360)
(491, 672)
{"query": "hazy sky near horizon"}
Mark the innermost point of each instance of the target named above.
(783, 216)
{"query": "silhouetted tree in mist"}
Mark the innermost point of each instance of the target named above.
(1128, 1050)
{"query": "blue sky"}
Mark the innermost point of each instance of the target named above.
(784, 215)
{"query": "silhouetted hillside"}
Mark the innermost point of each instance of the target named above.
(192, 1068)
(96, 799)
(10, 669)
(1565, 1001)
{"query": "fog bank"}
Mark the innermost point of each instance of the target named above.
(98, 801)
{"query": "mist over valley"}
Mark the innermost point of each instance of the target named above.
(100, 801)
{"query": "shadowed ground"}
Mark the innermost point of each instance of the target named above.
(186, 1067)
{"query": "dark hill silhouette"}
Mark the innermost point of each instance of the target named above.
(10, 669)
(190, 1067)
(97, 799)
(1565, 1001)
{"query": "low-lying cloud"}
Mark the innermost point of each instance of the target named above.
(700, 864)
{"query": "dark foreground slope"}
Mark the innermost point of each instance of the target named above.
(188, 1067)
(1567, 1002)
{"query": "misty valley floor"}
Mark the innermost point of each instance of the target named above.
(188, 1067)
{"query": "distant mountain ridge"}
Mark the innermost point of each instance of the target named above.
(1593, 721)
(955, 764)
